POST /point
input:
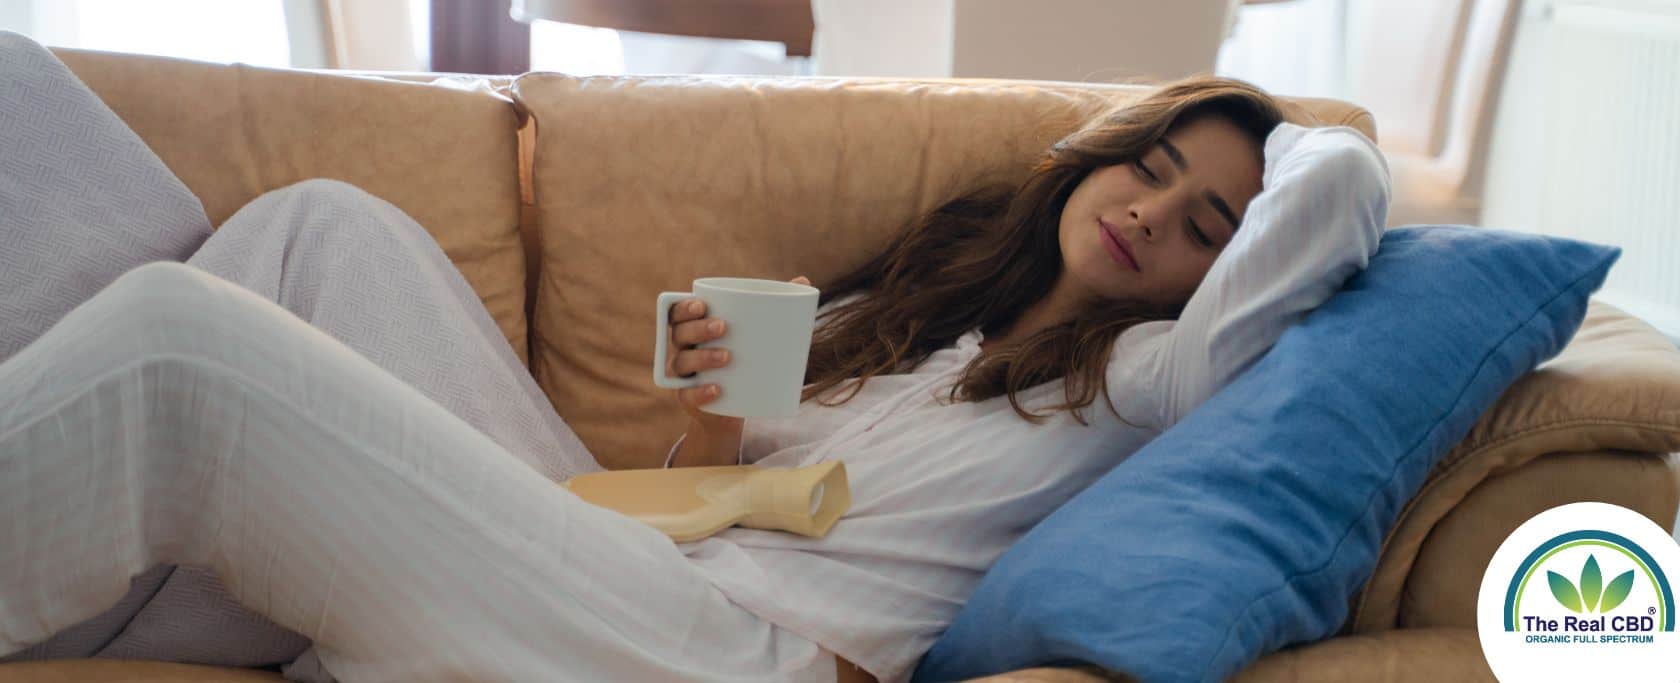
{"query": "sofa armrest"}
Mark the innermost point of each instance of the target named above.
(1445, 580)
(1614, 390)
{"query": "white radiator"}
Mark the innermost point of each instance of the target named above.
(1612, 157)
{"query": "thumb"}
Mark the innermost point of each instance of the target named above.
(801, 280)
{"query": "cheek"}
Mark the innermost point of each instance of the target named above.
(1111, 185)
(1100, 189)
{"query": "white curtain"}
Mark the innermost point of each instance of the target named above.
(1296, 48)
(584, 50)
(362, 35)
(648, 53)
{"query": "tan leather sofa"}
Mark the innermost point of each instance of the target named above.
(570, 203)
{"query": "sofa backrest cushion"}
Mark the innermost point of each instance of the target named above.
(1249, 525)
(643, 184)
(445, 155)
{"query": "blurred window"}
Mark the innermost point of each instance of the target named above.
(250, 31)
(576, 50)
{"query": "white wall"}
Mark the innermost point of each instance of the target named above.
(909, 38)
(1515, 155)
(1087, 40)
(1067, 40)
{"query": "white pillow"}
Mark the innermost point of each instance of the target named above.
(66, 160)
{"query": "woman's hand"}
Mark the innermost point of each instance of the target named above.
(691, 326)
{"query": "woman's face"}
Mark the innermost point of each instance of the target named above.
(1175, 209)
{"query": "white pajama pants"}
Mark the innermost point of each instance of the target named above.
(345, 440)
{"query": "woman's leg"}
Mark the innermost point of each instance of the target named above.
(361, 270)
(82, 200)
(177, 418)
(364, 272)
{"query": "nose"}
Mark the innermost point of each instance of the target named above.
(1143, 226)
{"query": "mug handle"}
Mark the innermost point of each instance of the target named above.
(661, 344)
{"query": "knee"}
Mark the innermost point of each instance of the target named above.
(156, 302)
(350, 211)
(158, 285)
(328, 191)
(336, 197)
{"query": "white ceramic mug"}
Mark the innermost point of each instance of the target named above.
(768, 337)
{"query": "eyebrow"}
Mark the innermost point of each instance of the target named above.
(1214, 199)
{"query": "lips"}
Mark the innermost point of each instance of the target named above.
(1116, 246)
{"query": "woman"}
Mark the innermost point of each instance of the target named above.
(983, 334)
(176, 417)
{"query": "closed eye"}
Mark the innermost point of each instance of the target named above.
(1198, 235)
(1195, 232)
(1145, 171)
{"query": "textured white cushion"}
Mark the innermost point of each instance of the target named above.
(68, 160)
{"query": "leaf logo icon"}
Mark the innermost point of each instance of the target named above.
(1564, 591)
(1617, 591)
(1591, 583)
(1593, 595)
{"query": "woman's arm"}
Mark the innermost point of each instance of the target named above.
(706, 446)
(1316, 222)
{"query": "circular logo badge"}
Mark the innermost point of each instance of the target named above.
(1581, 592)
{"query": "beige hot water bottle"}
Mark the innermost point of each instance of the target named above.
(691, 503)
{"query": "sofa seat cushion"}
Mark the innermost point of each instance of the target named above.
(128, 671)
(1399, 656)
(1396, 656)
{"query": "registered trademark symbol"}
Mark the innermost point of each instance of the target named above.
(1650, 610)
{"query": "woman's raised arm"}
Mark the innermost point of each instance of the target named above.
(1317, 220)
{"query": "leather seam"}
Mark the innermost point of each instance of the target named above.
(530, 237)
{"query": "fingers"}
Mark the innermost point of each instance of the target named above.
(694, 309)
(695, 360)
(689, 328)
(683, 311)
(685, 359)
(694, 397)
(698, 331)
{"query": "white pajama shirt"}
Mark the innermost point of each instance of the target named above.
(940, 491)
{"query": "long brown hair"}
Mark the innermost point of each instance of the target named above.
(982, 259)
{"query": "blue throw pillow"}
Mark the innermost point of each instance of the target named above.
(1250, 524)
